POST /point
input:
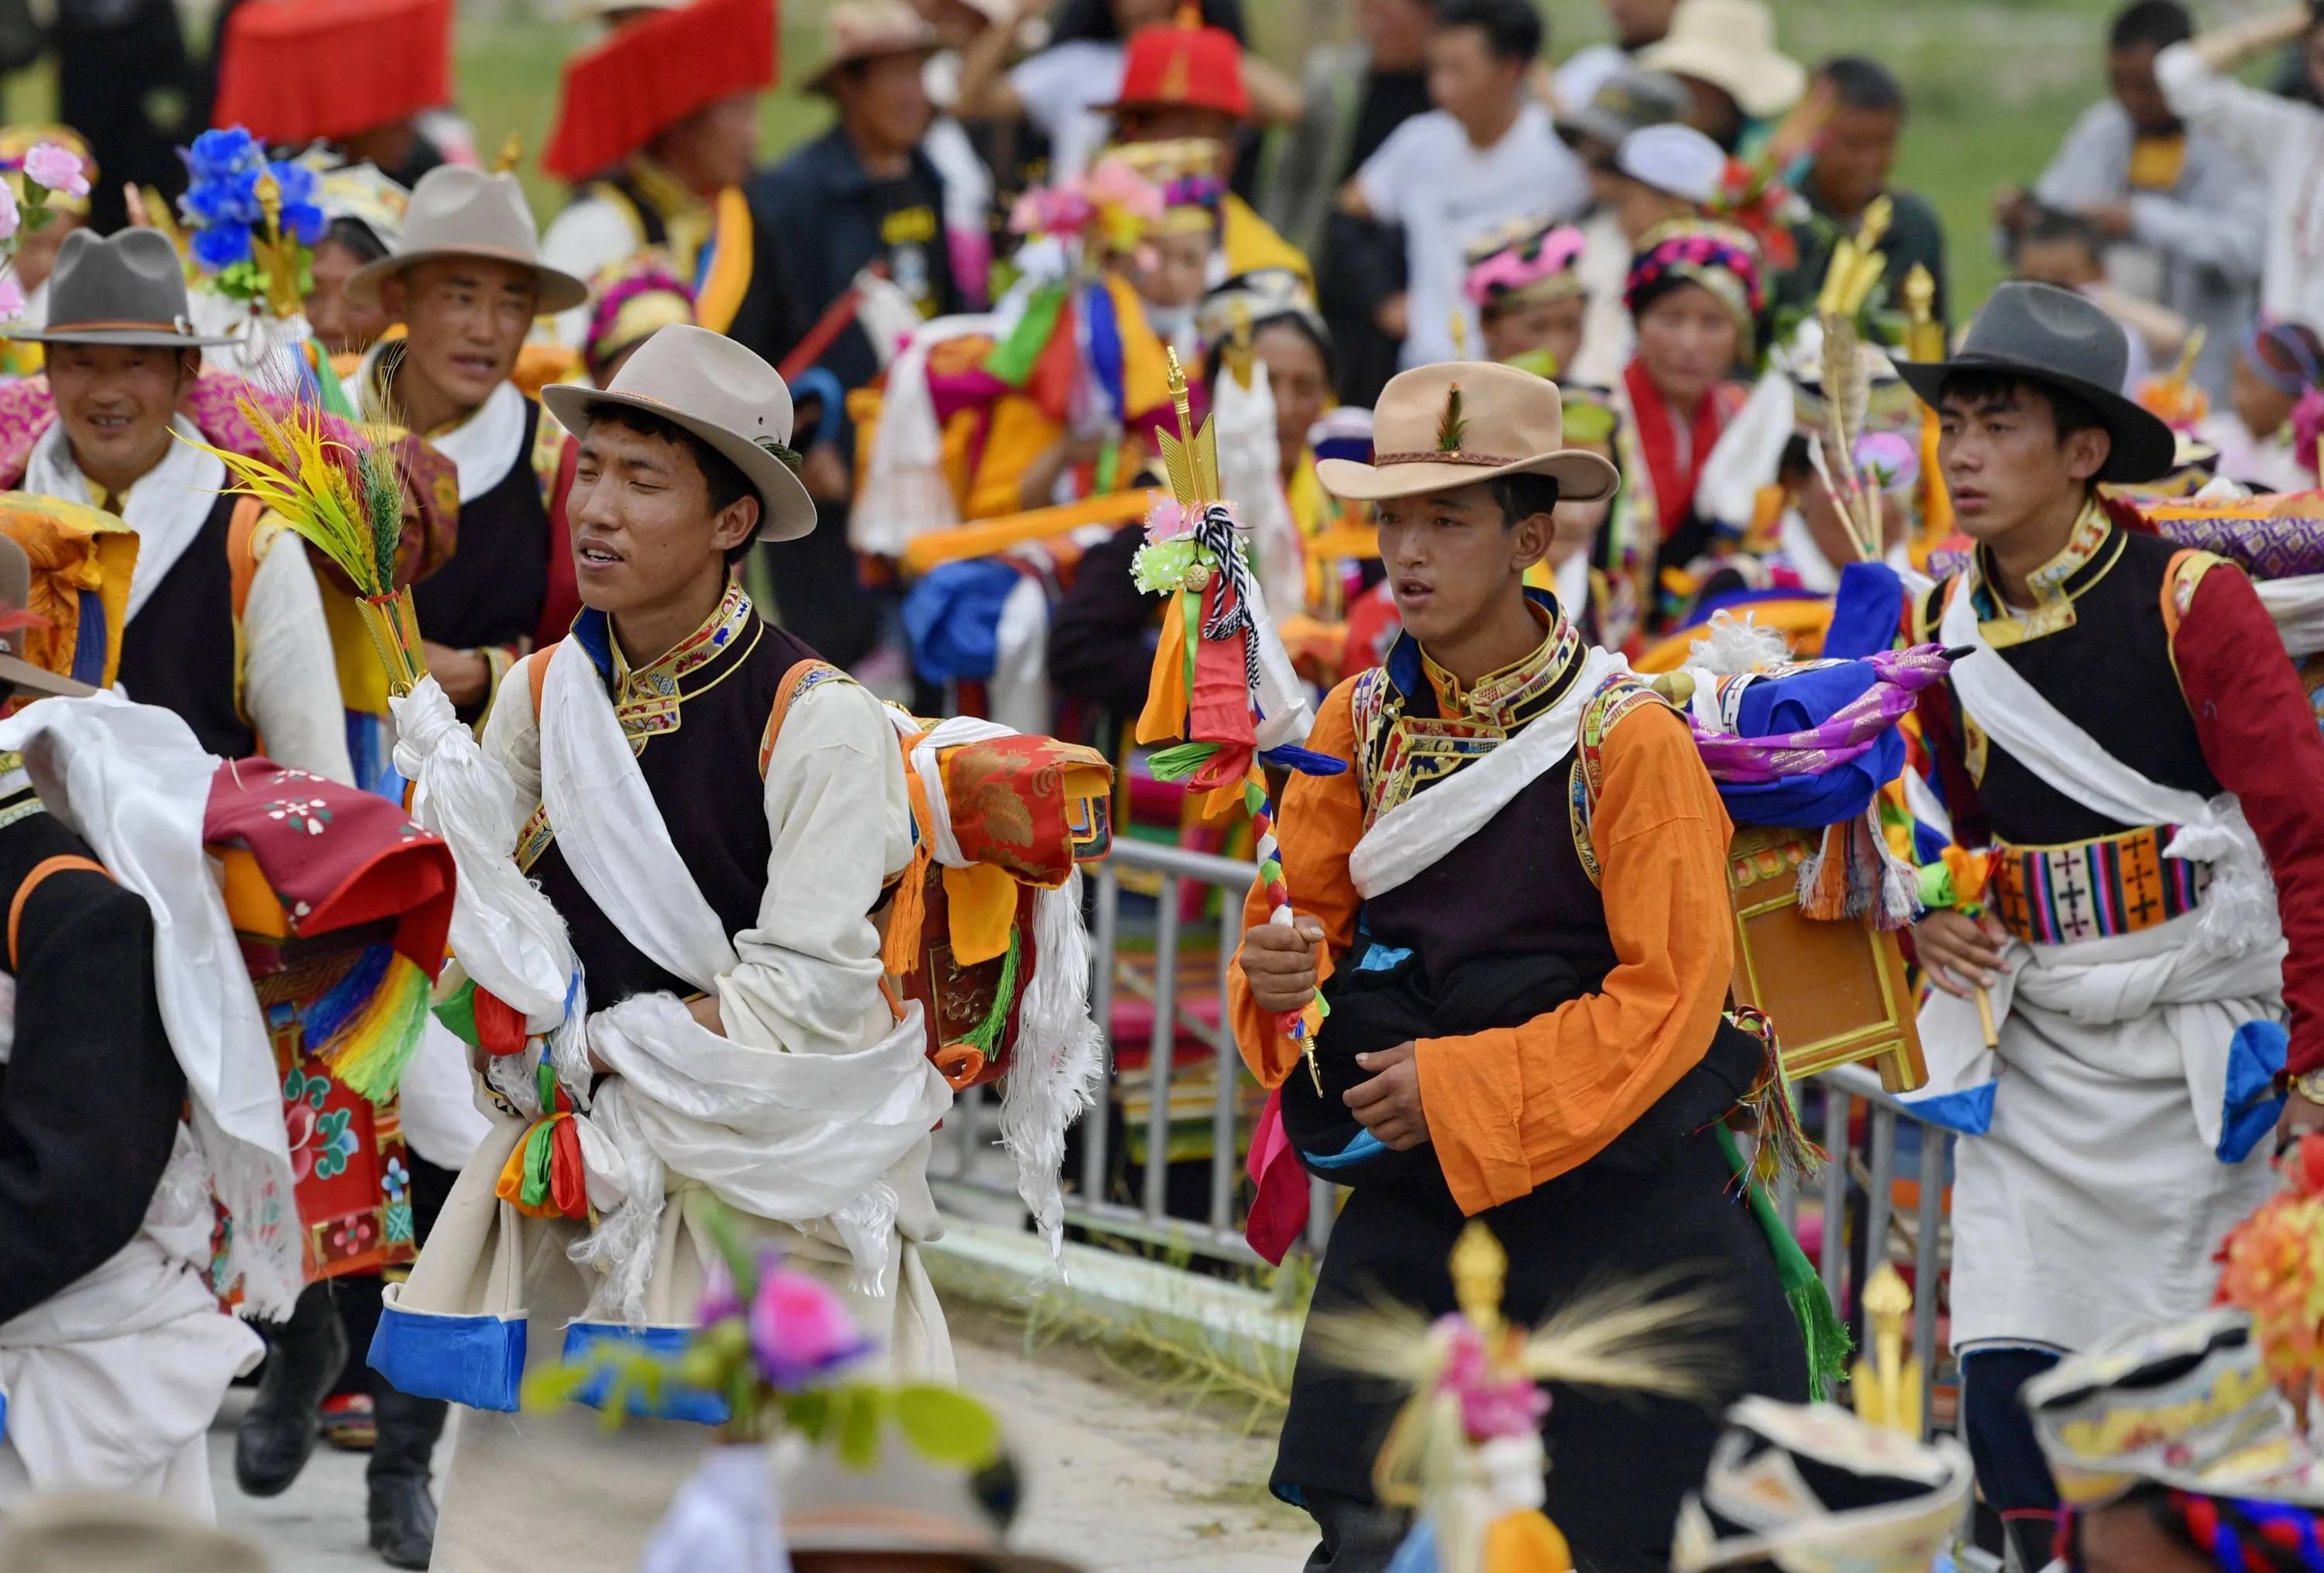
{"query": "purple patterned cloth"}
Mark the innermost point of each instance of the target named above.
(2287, 546)
(1843, 737)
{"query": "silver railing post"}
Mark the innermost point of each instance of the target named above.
(1224, 1145)
(1833, 1257)
(1105, 936)
(1880, 1186)
(1930, 1222)
(1165, 1038)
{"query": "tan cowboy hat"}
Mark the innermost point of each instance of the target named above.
(103, 1532)
(721, 393)
(904, 1507)
(456, 211)
(1460, 422)
(15, 591)
(1732, 45)
(865, 30)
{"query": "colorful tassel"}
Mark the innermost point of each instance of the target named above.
(366, 1027)
(1785, 1145)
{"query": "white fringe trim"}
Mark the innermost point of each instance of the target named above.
(1058, 1065)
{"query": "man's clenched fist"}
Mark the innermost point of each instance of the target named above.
(1278, 962)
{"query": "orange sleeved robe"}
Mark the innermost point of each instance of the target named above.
(1512, 1109)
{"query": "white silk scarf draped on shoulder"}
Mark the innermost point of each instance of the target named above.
(792, 1137)
(1413, 835)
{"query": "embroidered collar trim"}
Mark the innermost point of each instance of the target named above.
(647, 699)
(2092, 550)
(1400, 754)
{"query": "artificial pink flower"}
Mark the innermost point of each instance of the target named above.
(1491, 1405)
(57, 167)
(1890, 462)
(800, 1328)
(9, 217)
(720, 1300)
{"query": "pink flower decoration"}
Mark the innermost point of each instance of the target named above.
(58, 168)
(1891, 462)
(9, 216)
(1490, 1407)
(800, 1328)
(720, 1300)
(12, 297)
(2307, 426)
(1114, 184)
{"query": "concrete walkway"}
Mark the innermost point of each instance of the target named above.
(1118, 1479)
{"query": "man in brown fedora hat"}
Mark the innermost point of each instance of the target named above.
(114, 1353)
(1515, 901)
(2127, 738)
(734, 989)
(466, 279)
(222, 629)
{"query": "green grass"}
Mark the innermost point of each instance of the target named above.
(1992, 85)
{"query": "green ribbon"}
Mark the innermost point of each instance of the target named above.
(1821, 1331)
(1012, 359)
(458, 1012)
(539, 1154)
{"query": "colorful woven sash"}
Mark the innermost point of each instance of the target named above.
(2095, 890)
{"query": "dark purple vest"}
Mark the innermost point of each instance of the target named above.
(705, 778)
(179, 651)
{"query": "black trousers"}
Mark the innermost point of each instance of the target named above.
(2011, 1473)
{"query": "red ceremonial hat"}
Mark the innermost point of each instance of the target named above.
(292, 70)
(1185, 64)
(645, 77)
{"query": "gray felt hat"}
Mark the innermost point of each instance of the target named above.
(125, 288)
(2043, 334)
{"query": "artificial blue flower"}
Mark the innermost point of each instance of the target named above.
(221, 245)
(220, 152)
(298, 184)
(304, 222)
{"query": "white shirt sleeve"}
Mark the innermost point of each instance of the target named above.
(589, 237)
(290, 679)
(1052, 86)
(809, 974)
(2259, 127)
(1382, 181)
(511, 737)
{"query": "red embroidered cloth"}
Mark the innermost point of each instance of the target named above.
(307, 859)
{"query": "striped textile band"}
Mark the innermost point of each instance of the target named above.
(2096, 889)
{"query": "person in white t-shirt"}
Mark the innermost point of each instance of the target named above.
(1486, 156)
(1638, 25)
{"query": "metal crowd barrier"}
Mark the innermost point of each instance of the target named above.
(1856, 1189)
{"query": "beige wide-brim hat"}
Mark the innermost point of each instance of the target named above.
(720, 391)
(456, 211)
(1732, 45)
(866, 30)
(1459, 422)
(102, 1532)
(905, 1507)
